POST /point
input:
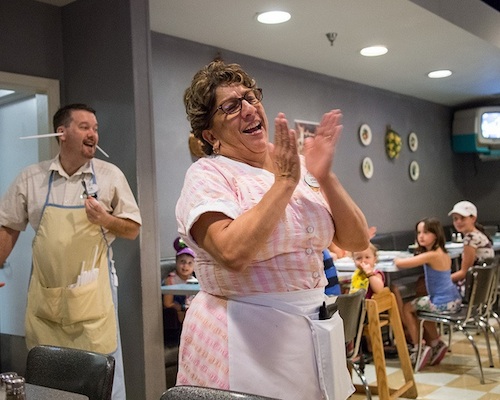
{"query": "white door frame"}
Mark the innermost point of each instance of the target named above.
(47, 86)
(49, 90)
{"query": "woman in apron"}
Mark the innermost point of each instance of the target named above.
(258, 216)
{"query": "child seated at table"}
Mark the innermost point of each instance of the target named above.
(333, 287)
(366, 275)
(443, 294)
(175, 306)
(478, 246)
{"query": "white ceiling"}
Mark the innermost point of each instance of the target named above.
(461, 35)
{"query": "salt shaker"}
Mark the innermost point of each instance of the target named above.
(454, 237)
(15, 389)
(3, 377)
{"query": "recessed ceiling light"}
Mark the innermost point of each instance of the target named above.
(373, 51)
(273, 17)
(442, 73)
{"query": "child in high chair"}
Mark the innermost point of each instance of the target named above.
(366, 275)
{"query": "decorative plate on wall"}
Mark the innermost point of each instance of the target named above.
(365, 134)
(413, 141)
(414, 170)
(367, 167)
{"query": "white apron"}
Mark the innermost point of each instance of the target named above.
(279, 348)
(65, 245)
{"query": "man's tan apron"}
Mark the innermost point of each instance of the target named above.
(83, 317)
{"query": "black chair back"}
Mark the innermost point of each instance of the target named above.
(479, 284)
(351, 309)
(72, 370)
(204, 393)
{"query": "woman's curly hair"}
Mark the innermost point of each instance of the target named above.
(199, 98)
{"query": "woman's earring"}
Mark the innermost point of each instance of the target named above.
(216, 148)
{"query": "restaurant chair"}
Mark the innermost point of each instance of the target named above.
(352, 310)
(72, 370)
(490, 230)
(478, 289)
(488, 312)
(382, 310)
(205, 393)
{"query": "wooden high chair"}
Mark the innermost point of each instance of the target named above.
(385, 303)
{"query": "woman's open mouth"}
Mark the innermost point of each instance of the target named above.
(251, 131)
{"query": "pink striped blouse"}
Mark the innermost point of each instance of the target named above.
(291, 260)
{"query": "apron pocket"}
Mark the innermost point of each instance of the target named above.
(49, 304)
(331, 356)
(84, 303)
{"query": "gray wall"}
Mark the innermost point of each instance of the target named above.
(31, 41)
(31, 44)
(390, 200)
(106, 59)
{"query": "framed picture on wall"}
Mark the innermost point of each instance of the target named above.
(304, 129)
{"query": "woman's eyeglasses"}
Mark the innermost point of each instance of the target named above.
(232, 106)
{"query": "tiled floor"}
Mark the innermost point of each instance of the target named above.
(456, 378)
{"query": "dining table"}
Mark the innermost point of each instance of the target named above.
(185, 289)
(345, 267)
(392, 273)
(385, 263)
(188, 289)
(36, 392)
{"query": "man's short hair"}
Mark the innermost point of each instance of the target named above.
(63, 115)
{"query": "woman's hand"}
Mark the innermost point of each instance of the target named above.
(320, 149)
(284, 153)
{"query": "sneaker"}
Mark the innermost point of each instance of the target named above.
(425, 356)
(438, 353)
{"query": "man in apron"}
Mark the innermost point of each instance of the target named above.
(77, 205)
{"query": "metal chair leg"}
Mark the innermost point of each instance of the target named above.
(483, 326)
(476, 350)
(494, 333)
(362, 377)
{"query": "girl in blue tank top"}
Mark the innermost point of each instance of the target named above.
(443, 295)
